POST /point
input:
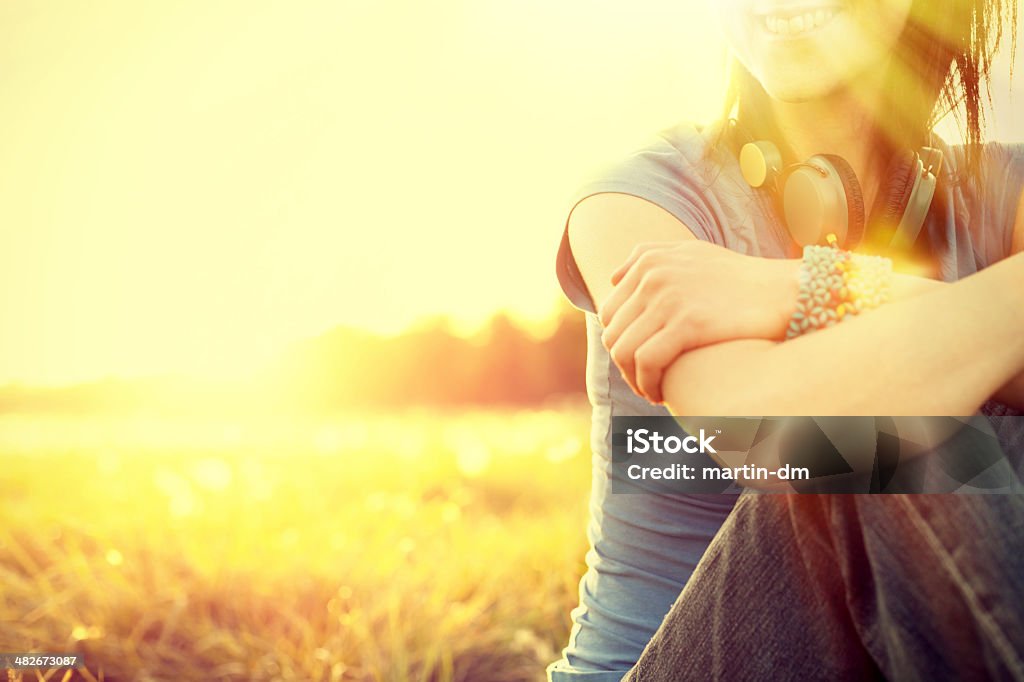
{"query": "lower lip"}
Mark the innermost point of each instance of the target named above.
(760, 20)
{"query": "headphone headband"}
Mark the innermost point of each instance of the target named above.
(929, 165)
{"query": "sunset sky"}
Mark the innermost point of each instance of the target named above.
(190, 186)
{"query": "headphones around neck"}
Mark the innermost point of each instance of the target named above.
(822, 197)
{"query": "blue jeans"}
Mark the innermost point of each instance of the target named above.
(835, 587)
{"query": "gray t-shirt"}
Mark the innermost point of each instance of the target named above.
(643, 548)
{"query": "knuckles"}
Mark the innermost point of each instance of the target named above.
(649, 369)
(644, 248)
(622, 356)
(647, 259)
(655, 278)
(645, 358)
(696, 321)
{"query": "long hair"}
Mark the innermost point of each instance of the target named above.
(942, 64)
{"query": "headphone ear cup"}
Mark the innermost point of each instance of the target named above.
(760, 162)
(893, 196)
(854, 200)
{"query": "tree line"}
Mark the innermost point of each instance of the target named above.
(428, 365)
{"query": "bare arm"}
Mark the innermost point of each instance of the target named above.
(879, 363)
(1013, 392)
(970, 340)
(920, 356)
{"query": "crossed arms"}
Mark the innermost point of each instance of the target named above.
(697, 327)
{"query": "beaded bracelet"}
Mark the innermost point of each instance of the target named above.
(835, 283)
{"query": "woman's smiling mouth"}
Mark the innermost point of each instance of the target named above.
(796, 22)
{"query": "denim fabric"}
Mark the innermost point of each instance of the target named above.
(838, 587)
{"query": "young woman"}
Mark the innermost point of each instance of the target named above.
(689, 276)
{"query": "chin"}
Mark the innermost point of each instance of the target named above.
(800, 88)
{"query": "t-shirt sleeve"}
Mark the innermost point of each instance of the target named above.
(660, 173)
(1004, 181)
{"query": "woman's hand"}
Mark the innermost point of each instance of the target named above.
(671, 297)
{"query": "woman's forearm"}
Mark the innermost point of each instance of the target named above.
(942, 352)
(908, 286)
(904, 287)
(787, 271)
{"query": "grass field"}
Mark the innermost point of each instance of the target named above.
(423, 546)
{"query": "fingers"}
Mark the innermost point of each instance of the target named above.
(624, 350)
(645, 250)
(621, 293)
(644, 332)
(654, 356)
(624, 317)
(638, 251)
(641, 272)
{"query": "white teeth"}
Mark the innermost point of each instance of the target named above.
(801, 23)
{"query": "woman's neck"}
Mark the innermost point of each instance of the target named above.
(843, 124)
(848, 123)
